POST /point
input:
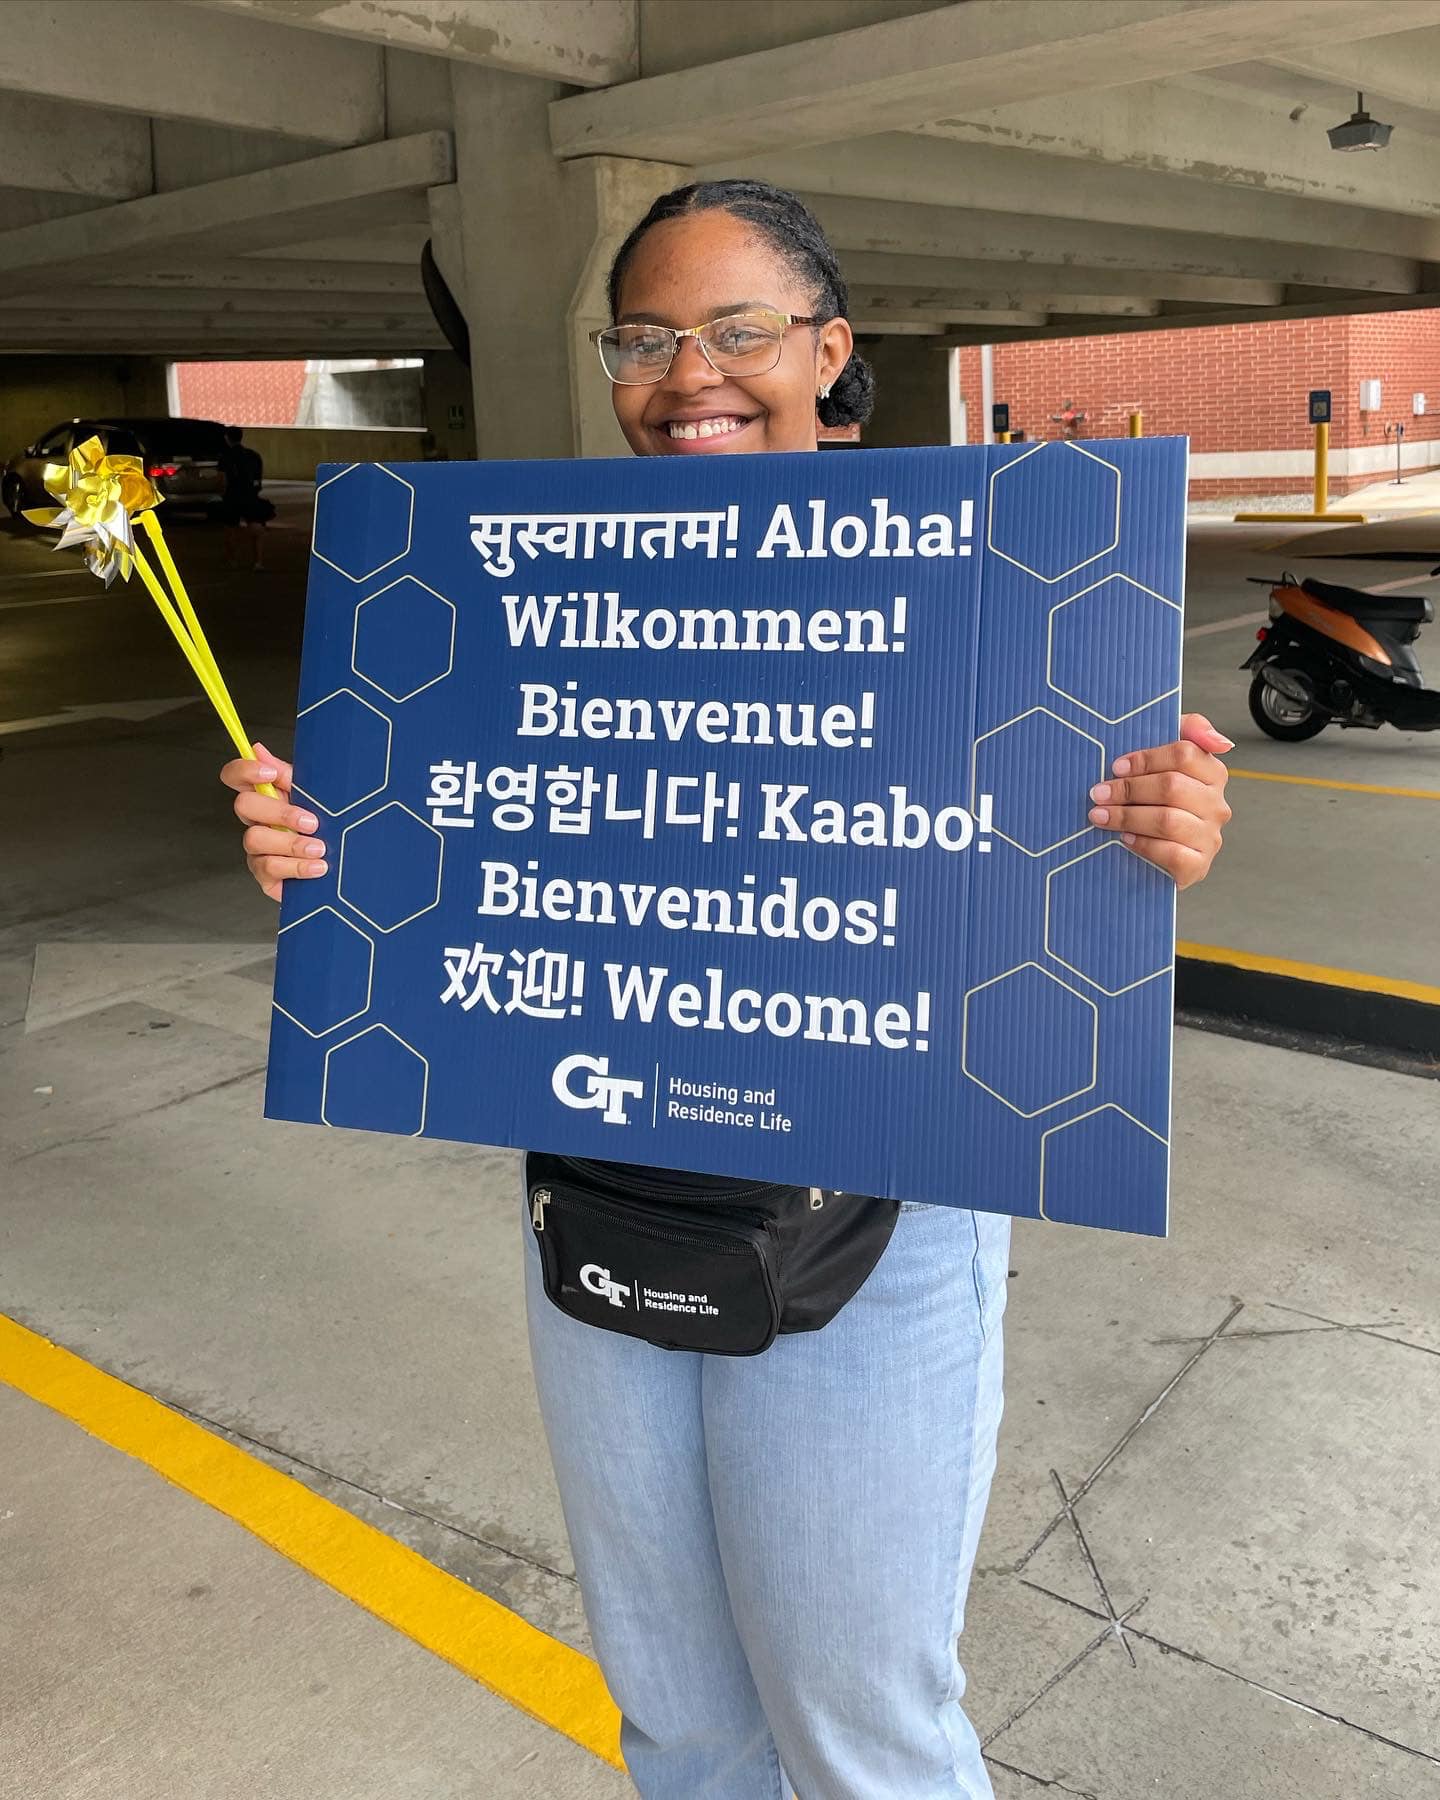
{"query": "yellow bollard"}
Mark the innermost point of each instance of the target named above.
(1322, 468)
(1137, 422)
(1002, 437)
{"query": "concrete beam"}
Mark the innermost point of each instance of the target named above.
(1325, 100)
(273, 207)
(1025, 183)
(164, 304)
(882, 225)
(1404, 68)
(273, 275)
(873, 300)
(93, 309)
(892, 327)
(1172, 129)
(584, 43)
(1341, 304)
(400, 242)
(144, 56)
(906, 71)
(1002, 280)
(53, 331)
(59, 149)
(879, 310)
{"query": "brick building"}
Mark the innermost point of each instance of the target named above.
(1239, 391)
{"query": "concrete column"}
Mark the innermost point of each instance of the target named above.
(521, 262)
(605, 196)
(449, 404)
(912, 401)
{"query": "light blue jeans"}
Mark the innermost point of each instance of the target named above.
(774, 1550)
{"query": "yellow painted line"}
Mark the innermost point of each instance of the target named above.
(522, 1665)
(1345, 787)
(1354, 979)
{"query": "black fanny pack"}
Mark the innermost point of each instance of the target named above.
(718, 1269)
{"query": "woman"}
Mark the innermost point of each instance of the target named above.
(774, 1550)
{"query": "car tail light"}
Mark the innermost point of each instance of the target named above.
(163, 469)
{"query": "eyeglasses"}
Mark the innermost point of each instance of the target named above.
(743, 343)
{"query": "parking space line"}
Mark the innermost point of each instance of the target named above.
(1344, 787)
(54, 599)
(1233, 624)
(1356, 980)
(524, 1666)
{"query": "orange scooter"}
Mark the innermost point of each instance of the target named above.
(1339, 656)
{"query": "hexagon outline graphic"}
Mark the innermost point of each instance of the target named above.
(399, 699)
(409, 522)
(355, 1038)
(1055, 686)
(359, 1012)
(339, 811)
(994, 1092)
(995, 731)
(1055, 956)
(1005, 468)
(439, 867)
(1079, 1119)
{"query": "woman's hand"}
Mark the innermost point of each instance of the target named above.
(1169, 804)
(277, 845)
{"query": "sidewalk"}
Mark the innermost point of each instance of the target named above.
(156, 1651)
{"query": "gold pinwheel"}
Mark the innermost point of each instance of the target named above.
(101, 498)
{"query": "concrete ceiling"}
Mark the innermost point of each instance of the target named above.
(257, 177)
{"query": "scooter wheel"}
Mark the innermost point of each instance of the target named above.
(1278, 716)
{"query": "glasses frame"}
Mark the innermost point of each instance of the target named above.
(677, 332)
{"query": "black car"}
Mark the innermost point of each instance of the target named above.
(181, 457)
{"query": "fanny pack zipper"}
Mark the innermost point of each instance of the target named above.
(714, 1234)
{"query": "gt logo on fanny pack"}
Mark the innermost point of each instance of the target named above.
(597, 1090)
(598, 1281)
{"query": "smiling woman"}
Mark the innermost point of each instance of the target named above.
(773, 1543)
(772, 354)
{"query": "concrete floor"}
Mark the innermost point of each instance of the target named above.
(1313, 874)
(1242, 1418)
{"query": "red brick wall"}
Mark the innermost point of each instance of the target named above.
(241, 393)
(1232, 388)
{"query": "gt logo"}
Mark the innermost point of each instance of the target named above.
(595, 1089)
(598, 1281)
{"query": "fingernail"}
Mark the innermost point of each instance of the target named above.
(267, 774)
(316, 868)
(1121, 765)
(1100, 791)
(1099, 815)
(1128, 838)
(315, 849)
(1225, 743)
(307, 822)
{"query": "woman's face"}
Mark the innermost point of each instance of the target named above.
(695, 268)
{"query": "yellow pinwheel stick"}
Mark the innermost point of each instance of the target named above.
(102, 497)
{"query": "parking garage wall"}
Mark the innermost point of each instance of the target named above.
(1239, 392)
(37, 392)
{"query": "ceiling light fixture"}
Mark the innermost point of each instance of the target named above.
(1360, 131)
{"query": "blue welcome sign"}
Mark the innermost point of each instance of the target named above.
(729, 814)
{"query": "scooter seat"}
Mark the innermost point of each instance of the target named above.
(1400, 609)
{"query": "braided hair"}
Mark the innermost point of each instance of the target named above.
(788, 225)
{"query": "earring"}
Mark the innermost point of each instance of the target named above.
(825, 391)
